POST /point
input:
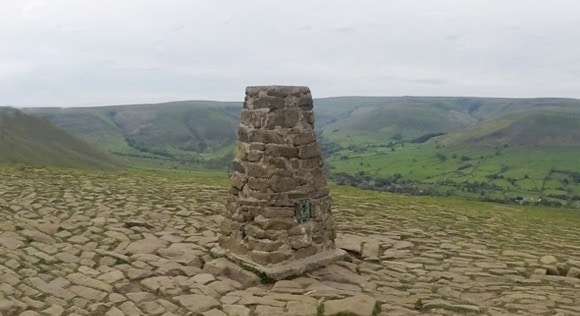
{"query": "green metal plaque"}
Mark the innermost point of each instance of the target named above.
(303, 211)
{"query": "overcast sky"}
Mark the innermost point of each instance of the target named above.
(78, 53)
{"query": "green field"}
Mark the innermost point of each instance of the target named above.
(501, 174)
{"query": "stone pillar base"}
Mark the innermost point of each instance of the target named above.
(286, 269)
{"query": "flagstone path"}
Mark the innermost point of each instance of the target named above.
(88, 243)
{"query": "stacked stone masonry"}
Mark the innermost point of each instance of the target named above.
(278, 171)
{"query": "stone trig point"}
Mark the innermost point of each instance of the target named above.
(278, 219)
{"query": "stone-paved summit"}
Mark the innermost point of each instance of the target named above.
(77, 242)
(278, 217)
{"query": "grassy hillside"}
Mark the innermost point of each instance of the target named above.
(405, 117)
(185, 134)
(410, 117)
(504, 150)
(553, 128)
(514, 167)
(34, 141)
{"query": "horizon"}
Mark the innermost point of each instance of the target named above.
(314, 98)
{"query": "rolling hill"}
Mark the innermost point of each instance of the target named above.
(192, 133)
(408, 117)
(386, 118)
(482, 148)
(31, 140)
(503, 150)
(201, 126)
(554, 128)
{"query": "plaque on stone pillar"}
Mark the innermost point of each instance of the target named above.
(278, 218)
(303, 211)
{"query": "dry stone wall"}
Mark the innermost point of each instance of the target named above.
(279, 210)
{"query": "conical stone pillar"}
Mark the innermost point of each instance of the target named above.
(278, 219)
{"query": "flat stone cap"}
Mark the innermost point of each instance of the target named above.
(277, 91)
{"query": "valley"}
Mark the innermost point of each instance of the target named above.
(518, 151)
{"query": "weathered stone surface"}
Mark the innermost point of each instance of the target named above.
(88, 293)
(457, 308)
(52, 288)
(402, 245)
(38, 236)
(153, 308)
(300, 308)
(350, 242)
(549, 259)
(184, 253)
(144, 246)
(156, 283)
(266, 245)
(214, 312)
(266, 258)
(304, 138)
(197, 303)
(370, 251)
(361, 305)
(540, 271)
(514, 253)
(309, 151)
(129, 308)
(573, 273)
(236, 310)
(54, 310)
(281, 151)
(338, 273)
(258, 300)
(234, 245)
(9, 307)
(111, 277)
(117, 298)
(224, 267)
(305, 252)
(81, 279)
(265, 310)
(203, 278)
(10, 243)
(286, 118)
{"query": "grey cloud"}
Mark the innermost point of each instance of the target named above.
(344, 30)
(71, 52)
(305, 27)
(430, 81)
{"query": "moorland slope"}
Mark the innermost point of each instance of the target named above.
(31, 140)
(176, 132)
